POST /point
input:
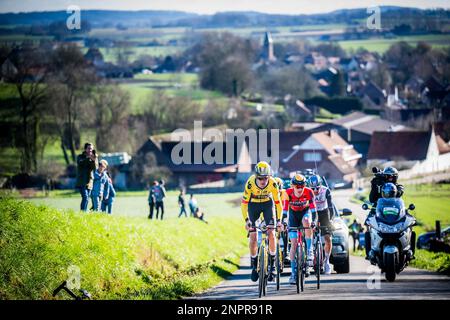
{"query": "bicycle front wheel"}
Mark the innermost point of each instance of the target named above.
(261, 265)
(278, 263)
(318, 258)
(303, 265)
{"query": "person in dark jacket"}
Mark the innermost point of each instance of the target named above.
(160, 194)
(182, 204)
(152, 199)
(87, 162)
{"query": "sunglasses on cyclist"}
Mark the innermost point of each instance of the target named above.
(262, 178)
(298, 186)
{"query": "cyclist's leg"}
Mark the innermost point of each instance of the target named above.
(294, 222)
(254, 210)
(324, 220)
(269, 218)
(306, 222)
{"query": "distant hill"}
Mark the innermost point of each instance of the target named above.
(391, 15)
(98, 18)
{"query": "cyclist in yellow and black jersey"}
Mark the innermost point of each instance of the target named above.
(261, 193)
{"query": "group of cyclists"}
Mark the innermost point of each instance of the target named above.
(307, 202)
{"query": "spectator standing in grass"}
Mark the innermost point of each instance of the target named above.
(160, 194)
(151, 199)
(98, 189)
(182, 204)
(193, 205)
(109, 195)
(87, 162)
(354, 229)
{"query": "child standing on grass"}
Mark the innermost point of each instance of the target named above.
(109, 195)
(98, 189)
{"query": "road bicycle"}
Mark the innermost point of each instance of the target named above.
(300, 258)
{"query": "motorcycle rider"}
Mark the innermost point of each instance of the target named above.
(388, 175)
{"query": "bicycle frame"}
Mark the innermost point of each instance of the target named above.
(262, 267)
(300, 256)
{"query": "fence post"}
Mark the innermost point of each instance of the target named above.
(438, 230)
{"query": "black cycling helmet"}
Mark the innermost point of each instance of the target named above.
(391, 174)
(389, 190)
(298, 180)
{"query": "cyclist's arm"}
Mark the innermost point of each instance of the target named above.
(330, 204)
(277, 201)
(244, 203)
(312, 205)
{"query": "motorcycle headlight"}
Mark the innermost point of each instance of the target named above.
(389, 229)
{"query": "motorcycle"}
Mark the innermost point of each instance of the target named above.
(391, 238)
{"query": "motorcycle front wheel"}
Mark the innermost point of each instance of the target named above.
(390, 267)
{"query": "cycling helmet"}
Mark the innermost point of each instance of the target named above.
(314, 181)
(389, 190)
(279, 183)
(262, 169)
(391, 174)
(298, 180)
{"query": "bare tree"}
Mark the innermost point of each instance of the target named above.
(110, 107)
(70, 86)
(27, 71)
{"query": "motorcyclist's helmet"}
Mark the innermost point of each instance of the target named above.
(298, 180)
(389, 190)
(314, 182)
(262, 169)
(390, 174)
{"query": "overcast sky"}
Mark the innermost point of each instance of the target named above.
(212, 6)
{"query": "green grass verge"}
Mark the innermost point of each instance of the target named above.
(118, 257)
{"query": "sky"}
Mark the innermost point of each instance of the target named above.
(213, 6)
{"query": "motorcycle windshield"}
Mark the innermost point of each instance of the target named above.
(390, 210)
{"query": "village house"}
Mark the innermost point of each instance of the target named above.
(234, 163)
(418, 152)
(357, 129)
(333, 157)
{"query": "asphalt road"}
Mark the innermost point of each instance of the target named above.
(364, 282)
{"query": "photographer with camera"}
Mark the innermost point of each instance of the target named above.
(87, 162)
(389, 174)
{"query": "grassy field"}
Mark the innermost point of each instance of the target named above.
(134, 204)
(119, 256)
(382, 45)
(173, 84)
